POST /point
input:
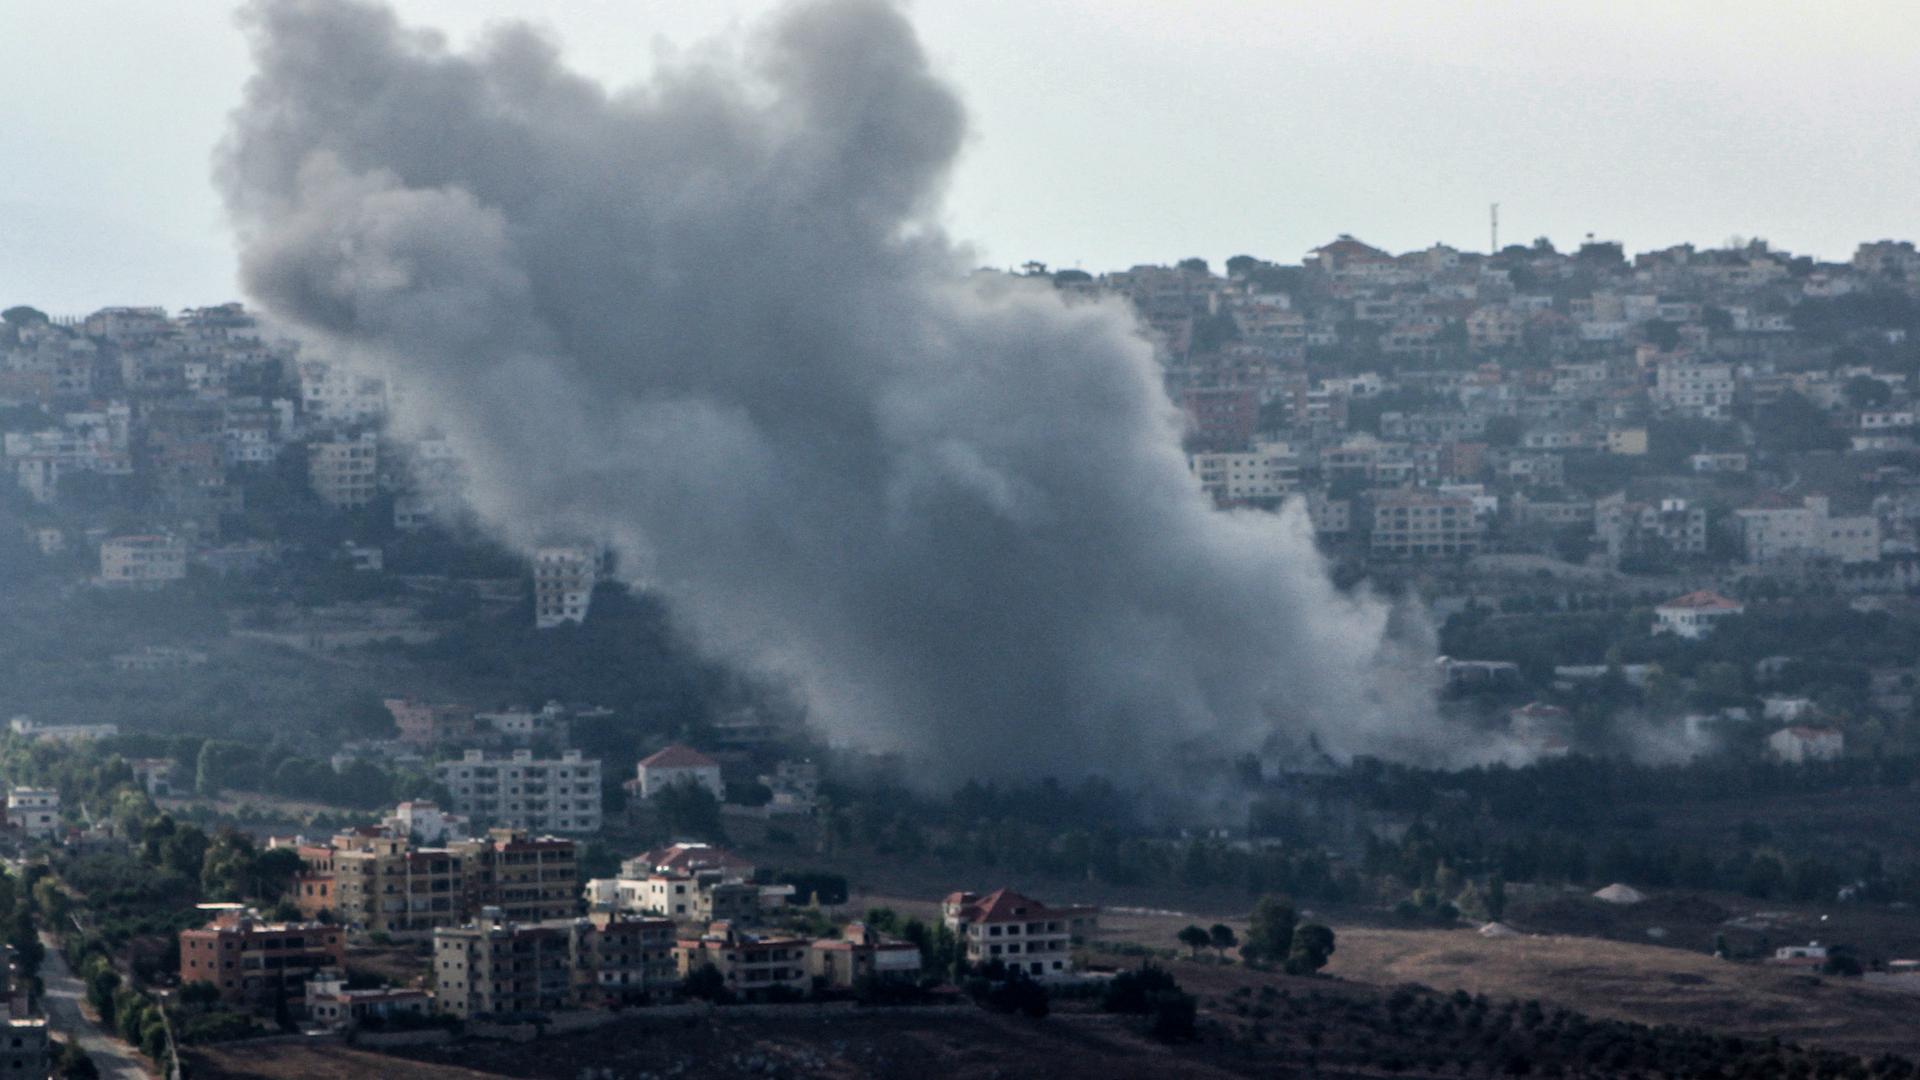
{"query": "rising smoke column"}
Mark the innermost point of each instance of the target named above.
(710, 319)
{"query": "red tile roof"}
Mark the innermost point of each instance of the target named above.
(679, 757)
(1703, 600)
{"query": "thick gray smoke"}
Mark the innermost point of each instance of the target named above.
(711, 321)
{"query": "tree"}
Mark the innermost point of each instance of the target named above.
(689, 811)
(1194, 265)
(1222, 938)
(705, 983)
(1270, 932)
(1312, 948)
(1867, 392)
(1195, 938)
(1173, 1016)
(21, 315)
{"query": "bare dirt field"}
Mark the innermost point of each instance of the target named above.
(1642, 983)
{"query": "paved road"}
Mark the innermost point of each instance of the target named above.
(64, 994)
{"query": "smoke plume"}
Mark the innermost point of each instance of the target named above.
(711, 320)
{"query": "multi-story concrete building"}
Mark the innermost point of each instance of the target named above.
(258, 964)
(1020, 932)
(1269, 471)
(752, 966)
(563, 580)
(1694, 615)
(1775, 528)
(619, 959)
(1414, 522)
(34, 811)
(862, 953)
(521, 791)
(1666, 528)
(345, 473)
(386, 884)
(142, 561)
(497, 966)
(1703, 391)
(528, 878)
(379, 880)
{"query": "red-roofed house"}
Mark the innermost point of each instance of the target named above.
(1693, 616)
(677, 765)
(1020, 931)
(1798, 744)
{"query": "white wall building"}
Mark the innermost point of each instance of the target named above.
(1693, 616)
(34, 811)
(1776, 531)
(142, 561)
(1798, 745)
(520, 791)
(563, 579)
(677, 765)
(1269, 471)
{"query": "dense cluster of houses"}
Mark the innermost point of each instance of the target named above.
(513, 933)
(1445, 403)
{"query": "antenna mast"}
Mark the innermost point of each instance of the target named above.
(1493, 213)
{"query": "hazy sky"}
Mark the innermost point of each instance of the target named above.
(1104, 132)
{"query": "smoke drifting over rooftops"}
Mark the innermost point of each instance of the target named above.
(710, 319)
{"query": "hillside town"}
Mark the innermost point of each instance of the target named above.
(434, 808)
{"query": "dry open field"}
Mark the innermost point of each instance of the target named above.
(1643, 983)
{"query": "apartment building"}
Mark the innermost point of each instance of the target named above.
(621, 959)
(34, 811)
(861, 953)
(254, 963)
(1269, 471)
(1019, 931)
(753, 966)
(142, 561)
(1775, 528)
(345, 473)
(518, 790)
(563, 580)
(1414, 522)
(496, 966)
(386, 884)
(380, 880)
(527, 878)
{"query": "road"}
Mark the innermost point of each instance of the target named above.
(64, 994)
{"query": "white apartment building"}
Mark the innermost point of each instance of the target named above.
(338, 394)
(142, 561)
(1413, 522)
(519, 791)
(345, 473)
(1773, 531)
(1269, 471)
(34, 811)
(563, 580)
(1704, 391)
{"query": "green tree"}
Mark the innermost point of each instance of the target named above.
(1270, 931)
(1222, 938)
(21, 315)
(1312, 948)
(1195, 938)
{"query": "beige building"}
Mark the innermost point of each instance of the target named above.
(752, 966)
(862, 953)
(142, 561)
(1414, 522)
(34, 811)
(345, 473)
(677, 765)
(495, 966)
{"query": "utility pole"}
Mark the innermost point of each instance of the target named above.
(1493, 213)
